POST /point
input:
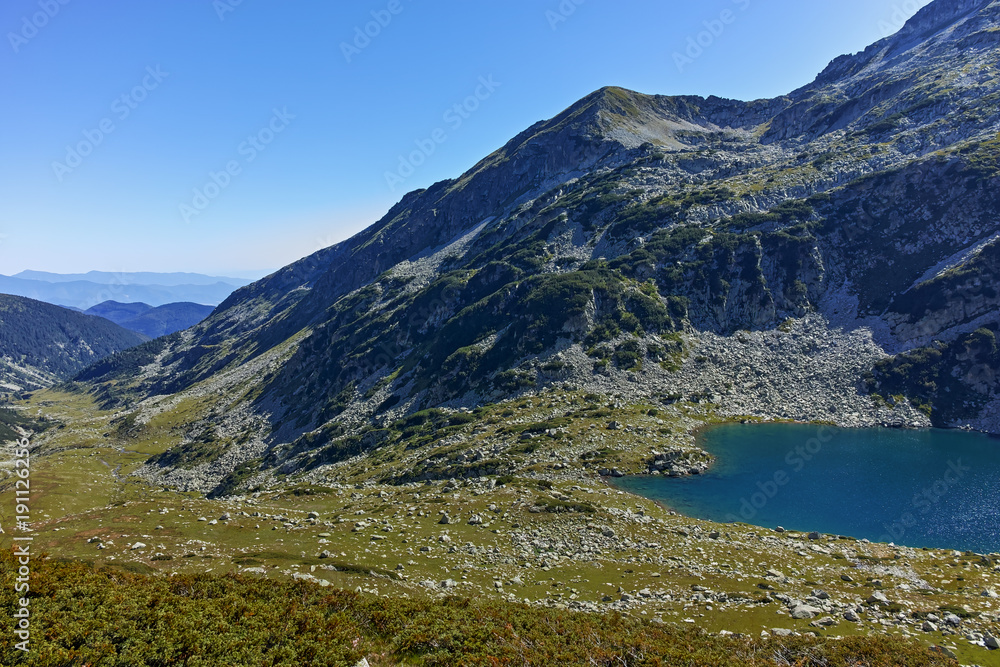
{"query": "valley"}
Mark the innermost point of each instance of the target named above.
(440, 413)
(537, 525)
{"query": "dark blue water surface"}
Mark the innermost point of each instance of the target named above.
(929, 488)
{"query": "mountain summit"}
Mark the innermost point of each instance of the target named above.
(827, 255)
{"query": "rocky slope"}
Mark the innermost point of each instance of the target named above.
(827, 255)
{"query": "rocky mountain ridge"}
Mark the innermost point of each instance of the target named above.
(827, 255)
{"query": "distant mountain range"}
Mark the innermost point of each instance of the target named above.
(138, 278)
(149, 321)
(81, 291)
(41, 343)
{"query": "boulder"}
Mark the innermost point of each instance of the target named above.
(805, 611)
(878, 597)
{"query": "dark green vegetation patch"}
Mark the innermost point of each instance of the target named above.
(82, 615)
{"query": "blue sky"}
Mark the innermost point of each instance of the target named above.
(235, 136)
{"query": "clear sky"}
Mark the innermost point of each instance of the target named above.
(238, 135)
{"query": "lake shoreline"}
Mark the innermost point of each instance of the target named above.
(926, 494)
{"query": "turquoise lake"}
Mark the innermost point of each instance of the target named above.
(928, 488)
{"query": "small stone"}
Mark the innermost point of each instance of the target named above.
(991, 642)
(813, 535)
(846, 577)
(849, 615)
(928, 627)
(138, 545)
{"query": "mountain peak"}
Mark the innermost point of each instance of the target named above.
(630, 118)
(941, 27)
